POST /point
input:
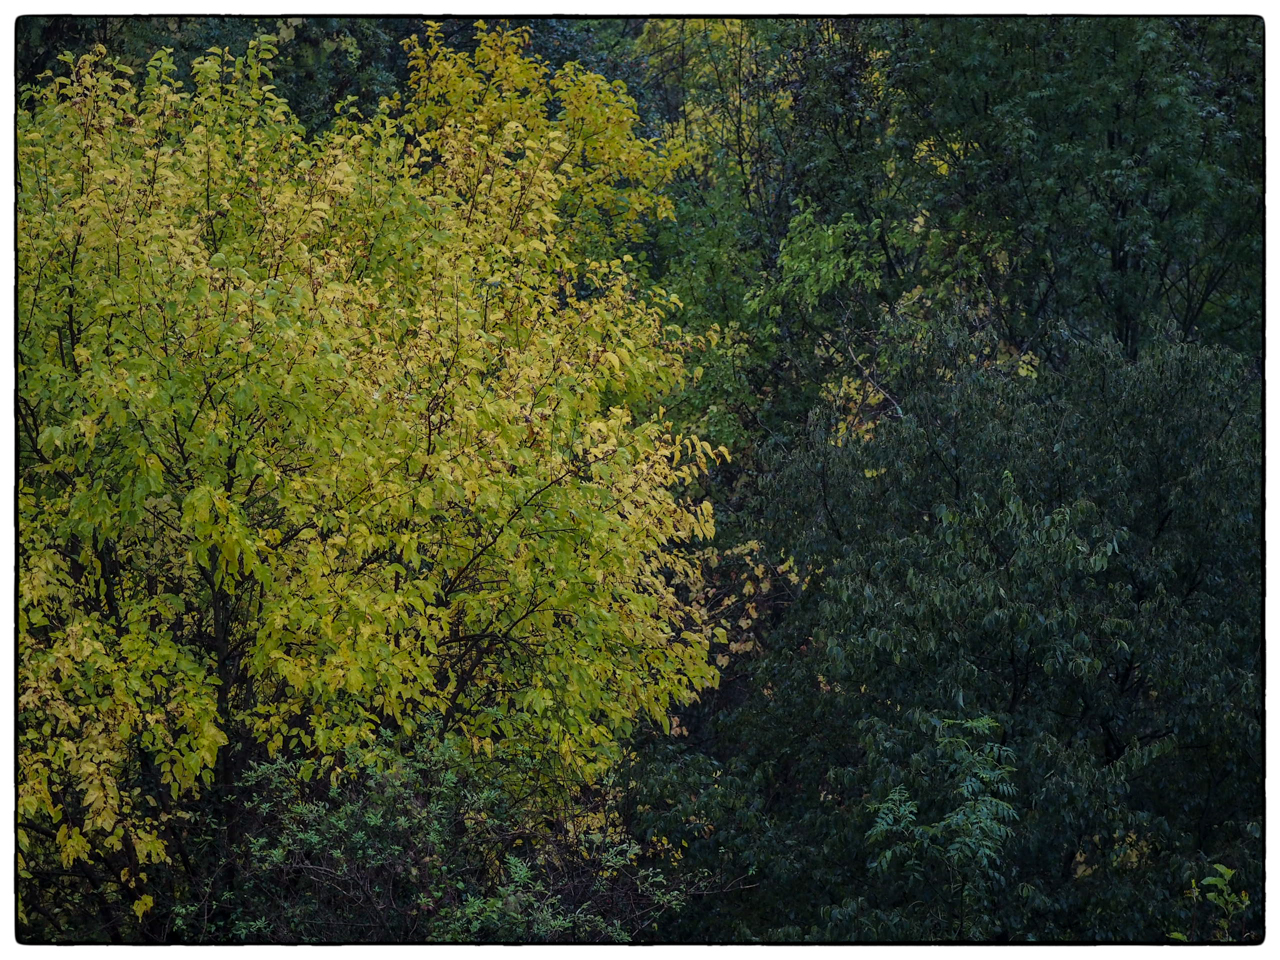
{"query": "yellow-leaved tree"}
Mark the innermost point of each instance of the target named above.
(322, 438)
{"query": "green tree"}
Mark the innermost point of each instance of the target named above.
(718, 90)
(1070, 560)
(1093, 174)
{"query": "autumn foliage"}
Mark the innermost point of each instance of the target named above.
(326, 437)
(381, 574)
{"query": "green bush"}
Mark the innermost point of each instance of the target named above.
(412, 850)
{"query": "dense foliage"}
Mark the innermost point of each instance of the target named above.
(377, 579)
(323, 437)
(1021, 692)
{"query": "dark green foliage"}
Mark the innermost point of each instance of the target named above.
(411, 851)
(1067, 564)
(1073, 557)
(320, 62)
(1094, 173)
(401, 850)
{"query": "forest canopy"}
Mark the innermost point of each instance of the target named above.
(639, 479)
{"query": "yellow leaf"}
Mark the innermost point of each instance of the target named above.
(142, 905)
